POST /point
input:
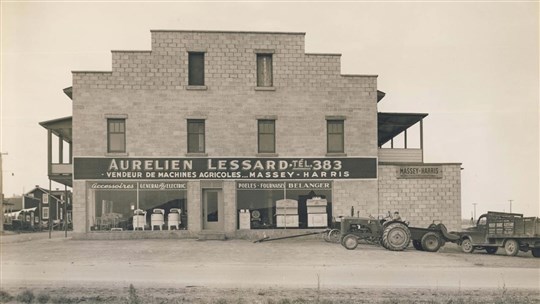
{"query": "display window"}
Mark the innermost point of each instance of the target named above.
(125, 206)
(282, 205)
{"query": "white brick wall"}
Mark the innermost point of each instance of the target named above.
(421, 201)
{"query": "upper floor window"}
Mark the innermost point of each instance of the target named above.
(196, 68)
(267, 136)
(335, 136)
(116, 135)
(195, 135)
(264, 70)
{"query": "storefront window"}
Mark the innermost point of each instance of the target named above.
(279, 205)
(157, 205)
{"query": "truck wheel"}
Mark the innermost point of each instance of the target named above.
(334, 236)
(396, 237)
(491, 250)
(431, 242)
(350, 241)
(536, 252)
(417, 245)
(467, 246)
(511, 247)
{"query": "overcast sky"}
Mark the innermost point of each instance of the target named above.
(473, 66)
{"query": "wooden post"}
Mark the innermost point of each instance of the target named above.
(60, 150)
(50, 203)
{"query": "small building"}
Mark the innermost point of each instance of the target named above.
(238, 132)
(54, 207)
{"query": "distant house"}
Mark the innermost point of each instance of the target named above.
(49, 207)
(12, 204)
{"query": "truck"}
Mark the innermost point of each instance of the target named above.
(510, 231)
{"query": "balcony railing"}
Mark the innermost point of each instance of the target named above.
(400, 155)
(57, 169)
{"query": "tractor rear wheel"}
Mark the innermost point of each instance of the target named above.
(491, 250)
(431, 242)
(396, 237)
(417, 245)
(467, 246)
(536, 252)
(350, 241)
(511, 247)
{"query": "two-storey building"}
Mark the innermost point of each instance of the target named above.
(236, 132)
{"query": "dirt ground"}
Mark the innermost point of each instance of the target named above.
(61, 270)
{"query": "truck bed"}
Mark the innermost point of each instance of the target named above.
(501, 225)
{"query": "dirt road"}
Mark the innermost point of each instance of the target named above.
(238, 263)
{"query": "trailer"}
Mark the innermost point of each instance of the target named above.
(510, 231)
(432, 238)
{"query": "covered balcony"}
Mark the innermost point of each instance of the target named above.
(60, 167)
(394, 140)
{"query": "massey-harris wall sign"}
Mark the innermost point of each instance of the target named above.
(225, 168)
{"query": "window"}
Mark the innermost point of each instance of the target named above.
(335, 136)
(131, 205)
(264, 70)
(257, 205)
(196, 69)
(267, 136)
(116, 135)
(45, 213)
(195, 136)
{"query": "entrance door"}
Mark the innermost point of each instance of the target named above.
(212, 209)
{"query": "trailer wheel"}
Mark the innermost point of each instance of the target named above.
(334, 236)
(431, 242)
(491, 250)
(536, 252)
(511, 247)
(350, 241)
(467, 246)
(417, 245)
(396, 237)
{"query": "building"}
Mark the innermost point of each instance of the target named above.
(236, 132)
(50, 205)
(36, 209)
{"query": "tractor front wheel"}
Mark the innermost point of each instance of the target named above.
(511, 247)
(431, 242)
(396, 237)
(334, 235)
(350, 241)
(467, 246)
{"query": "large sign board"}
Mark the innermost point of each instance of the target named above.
(225, 168)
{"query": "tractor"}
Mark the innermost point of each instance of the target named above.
(391, 232)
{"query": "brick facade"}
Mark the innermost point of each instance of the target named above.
(421, 201)
(149, 89)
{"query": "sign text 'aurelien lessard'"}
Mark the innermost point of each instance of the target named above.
(223, 168)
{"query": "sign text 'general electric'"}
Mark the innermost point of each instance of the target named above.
(224, 168)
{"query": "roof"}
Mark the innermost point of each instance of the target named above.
(69, 92)
(61, 127)
(392, 124)
(229, 32)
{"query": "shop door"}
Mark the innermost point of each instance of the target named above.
(212, 209)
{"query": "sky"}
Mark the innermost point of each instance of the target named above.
(473, 66)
